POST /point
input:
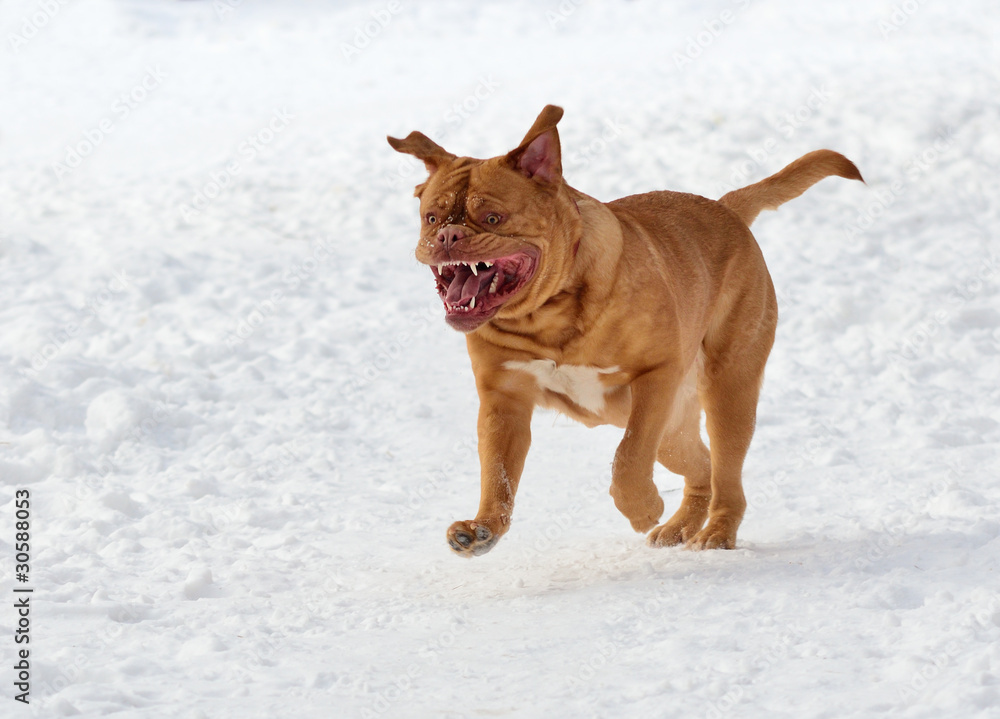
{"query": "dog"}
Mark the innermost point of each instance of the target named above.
(639, 313)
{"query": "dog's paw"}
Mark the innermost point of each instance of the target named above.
(680, 528)
(642, 511)
(644, 524)
(470, 539)
(671, 533)
(719, 534)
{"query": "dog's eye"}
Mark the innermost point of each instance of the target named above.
(493, 219)
(431, 219)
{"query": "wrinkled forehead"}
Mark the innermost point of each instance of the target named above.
(446, 187)
(464, 184)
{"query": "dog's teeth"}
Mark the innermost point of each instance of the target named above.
(488, 264)
(474, 270)
(472, 304)
(440, 268)
(493, 284)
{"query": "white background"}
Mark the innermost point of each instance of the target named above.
(245, 427)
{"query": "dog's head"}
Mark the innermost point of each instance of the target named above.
(498, 234)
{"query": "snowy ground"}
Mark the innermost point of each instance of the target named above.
(245, 427)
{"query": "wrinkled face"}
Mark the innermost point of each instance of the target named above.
(482, 239)
(494, 232)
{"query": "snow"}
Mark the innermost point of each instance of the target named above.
(245, 426)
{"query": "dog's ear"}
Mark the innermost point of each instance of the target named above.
(424, 148)
(539, 156)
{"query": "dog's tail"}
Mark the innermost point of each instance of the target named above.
(789, 183)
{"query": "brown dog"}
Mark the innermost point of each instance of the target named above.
(638, 313)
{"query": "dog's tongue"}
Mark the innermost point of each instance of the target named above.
(467, 285)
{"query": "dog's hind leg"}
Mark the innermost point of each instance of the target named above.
(736, 350)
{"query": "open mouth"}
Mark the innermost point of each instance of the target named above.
(472, 292)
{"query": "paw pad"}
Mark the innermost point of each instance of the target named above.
(470, 539)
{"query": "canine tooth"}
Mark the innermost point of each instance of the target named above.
(474, 270)
(440, 268)
(472, 304)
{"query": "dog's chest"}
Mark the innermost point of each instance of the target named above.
(581, 384)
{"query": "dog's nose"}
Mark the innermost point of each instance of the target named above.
(451, 234)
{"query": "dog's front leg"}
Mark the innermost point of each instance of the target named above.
(632, 485)
(504, 437)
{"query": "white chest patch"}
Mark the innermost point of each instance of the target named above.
(580, 383)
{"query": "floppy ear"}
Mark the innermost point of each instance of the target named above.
(423, 147)
(539, 155)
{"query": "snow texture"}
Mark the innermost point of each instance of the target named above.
(245, 426)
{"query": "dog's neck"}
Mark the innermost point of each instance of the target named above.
(600, 249)
(574, 307)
